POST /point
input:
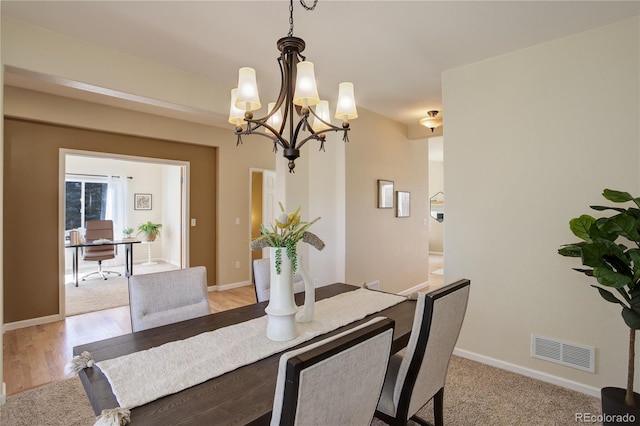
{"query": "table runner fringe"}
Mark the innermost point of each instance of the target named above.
(78, 363)
(113, 417)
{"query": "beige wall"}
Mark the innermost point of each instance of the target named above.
(564, 125)
(381, 247)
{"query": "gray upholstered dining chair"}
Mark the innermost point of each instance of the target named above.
(262, 279)
(417, 374)
(336, 381)
(99, 230)
(166, 297)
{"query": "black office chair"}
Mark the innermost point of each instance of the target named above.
(99, 230)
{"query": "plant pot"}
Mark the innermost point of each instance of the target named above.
(614, 410)
(151, 237)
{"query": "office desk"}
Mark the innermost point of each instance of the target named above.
(239, 397)
(128, 255)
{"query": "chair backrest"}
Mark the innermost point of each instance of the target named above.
(336, 381)
(166, 297)
(436, 327)
(262, 279)
(96, 230)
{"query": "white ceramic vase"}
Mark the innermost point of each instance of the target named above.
(306, 313)
(281, 311)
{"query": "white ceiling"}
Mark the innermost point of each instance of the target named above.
(393, 51)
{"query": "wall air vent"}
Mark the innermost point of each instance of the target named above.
(570, 354)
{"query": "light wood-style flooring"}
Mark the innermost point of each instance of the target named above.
(35, 356)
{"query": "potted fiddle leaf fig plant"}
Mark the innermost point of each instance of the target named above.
(151, 230)
(603, 251)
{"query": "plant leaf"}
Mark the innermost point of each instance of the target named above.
(631, 318)
(608, 296)
(580, 226)
(603, 208)
(617, 196)
(593, 253)
(571, 250)
(609, 278)
(621, 224)
(587, 272)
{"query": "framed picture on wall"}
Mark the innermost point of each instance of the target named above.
(403, 204)
(385, 194)
(142, 202)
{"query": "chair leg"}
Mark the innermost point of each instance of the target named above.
(101, 272)
(438, 407)
(438, 411)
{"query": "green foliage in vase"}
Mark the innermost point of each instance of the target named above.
(287, 231)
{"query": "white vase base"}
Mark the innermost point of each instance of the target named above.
(281, 328)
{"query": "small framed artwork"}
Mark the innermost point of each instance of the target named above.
(403, 204)
(385, 194)
(142, 202)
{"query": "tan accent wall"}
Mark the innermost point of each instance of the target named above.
(31, 187)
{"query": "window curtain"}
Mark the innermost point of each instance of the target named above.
(116, 204)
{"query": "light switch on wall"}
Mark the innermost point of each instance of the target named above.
(193, 222)
(237, 221)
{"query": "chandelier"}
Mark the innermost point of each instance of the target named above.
(292, 109)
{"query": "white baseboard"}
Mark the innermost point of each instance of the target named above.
(224, 287)
(415, 288)
(31, 322)
(534, 374)
(3, 394)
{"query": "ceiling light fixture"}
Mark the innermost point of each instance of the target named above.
(298, 92)
(431, 121)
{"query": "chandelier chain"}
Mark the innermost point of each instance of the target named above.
(307, 7)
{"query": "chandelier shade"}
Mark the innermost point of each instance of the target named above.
(287, 122)
(346, 109)
(275, 119)
(248, 98)
(236, 115)
(321, 117)
(306, 93)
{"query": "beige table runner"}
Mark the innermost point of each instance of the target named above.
(141, 377)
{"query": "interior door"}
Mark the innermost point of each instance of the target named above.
(269, 205)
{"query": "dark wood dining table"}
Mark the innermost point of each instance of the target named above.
(242, 396)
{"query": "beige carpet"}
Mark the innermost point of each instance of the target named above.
(478, 394)
(475, 394)
(60, 403)
(96, 294)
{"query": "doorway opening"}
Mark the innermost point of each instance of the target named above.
(437, 218)
(262, 205)
(97, 185)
